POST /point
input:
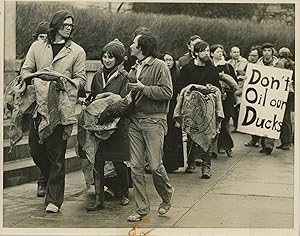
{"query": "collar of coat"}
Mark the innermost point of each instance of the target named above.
(148, 61)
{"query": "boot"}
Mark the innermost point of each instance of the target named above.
(205, 171)
(99, 191)
(206, 167)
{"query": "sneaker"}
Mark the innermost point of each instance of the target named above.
(41, 191)
(135, 217)
(164, 207)
(51, 208)
(190, 169)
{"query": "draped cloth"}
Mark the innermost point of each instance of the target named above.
(50, 94)
(199, 111)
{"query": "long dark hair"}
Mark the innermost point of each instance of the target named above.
(148, 44)
(174, 70)
(56, 23)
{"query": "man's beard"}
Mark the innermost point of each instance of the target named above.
(204, 59)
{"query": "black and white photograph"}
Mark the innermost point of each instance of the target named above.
(149, 118)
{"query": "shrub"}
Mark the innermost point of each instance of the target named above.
(94, 28)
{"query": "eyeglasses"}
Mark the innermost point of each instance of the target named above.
(65, 26)
(42, 36)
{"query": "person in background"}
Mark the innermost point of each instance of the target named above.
(239, 64)
(200, 71)
(152, 83)
(109, 79)
(173, 153)
(286, 136)
(254, 54)
(225, 140)
(61, 54)
(186, 58)
(40, 34)
(268, 59)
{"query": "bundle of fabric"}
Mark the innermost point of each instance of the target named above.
(17, 101)
(48, 93)
(199, 111)
(99, 119)
(97, 122)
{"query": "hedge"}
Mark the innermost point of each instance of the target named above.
(94, 28)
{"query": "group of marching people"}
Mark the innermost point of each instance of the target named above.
(140, 106)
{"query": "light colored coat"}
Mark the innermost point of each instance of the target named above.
(70, 61)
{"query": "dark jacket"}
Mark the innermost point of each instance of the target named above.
(192, 74)
(116, 147)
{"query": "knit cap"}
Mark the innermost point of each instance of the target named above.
(41, 28)
(116, 46)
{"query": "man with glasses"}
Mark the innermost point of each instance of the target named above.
(60, 54)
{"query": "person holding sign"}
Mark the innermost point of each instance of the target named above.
(267, 59)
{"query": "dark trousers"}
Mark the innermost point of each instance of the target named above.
(50, 158)
(42, 180)
(196, 152)
(287, 129)
(225, 140)
(119, 183)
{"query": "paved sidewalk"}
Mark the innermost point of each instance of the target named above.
(249, 190)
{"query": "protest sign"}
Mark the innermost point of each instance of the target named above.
(264, 97)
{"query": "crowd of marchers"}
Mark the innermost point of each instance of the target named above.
(141, 107)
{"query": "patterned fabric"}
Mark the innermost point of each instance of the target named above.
(199, 111)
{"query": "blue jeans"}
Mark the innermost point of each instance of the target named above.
(146, 135)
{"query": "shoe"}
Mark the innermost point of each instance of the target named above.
(280, 146)
(164, 207)
(267, 151)
(229, 153)
(135, 217)
(109, 195)
(190, 169)
(41, 191)
(221, 151)
(286, 147)
(262, 150)
(51, 208)
(124, 201)
(234, 130)
(96, 207)
(252, 143)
